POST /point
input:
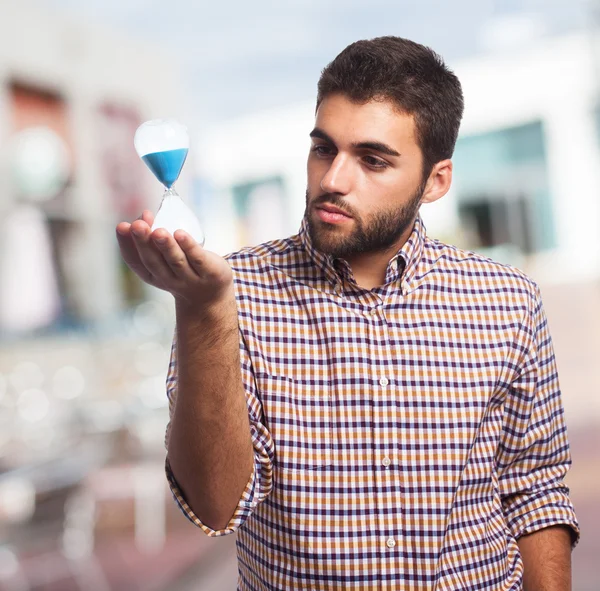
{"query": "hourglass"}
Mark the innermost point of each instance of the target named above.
(163, 145)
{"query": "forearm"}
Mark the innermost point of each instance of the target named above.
(546, 558)
(210, 450)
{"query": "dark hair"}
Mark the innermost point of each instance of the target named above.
(413, 77)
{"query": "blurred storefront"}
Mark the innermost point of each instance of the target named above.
(83, 344)
(71, 97)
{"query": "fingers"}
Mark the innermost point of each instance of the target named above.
(129, 252)
(173, 254)
(130, 248)
(148, 217)
(157, 257)
(194, 253)
(149, 254)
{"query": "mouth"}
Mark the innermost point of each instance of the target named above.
(331, 214)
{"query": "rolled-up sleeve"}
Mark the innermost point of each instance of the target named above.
(534, 456)
(261, 479)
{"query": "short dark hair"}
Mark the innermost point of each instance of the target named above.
(413, 77)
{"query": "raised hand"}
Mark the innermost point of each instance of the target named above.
(177, 264)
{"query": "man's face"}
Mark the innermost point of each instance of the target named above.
(364, 178)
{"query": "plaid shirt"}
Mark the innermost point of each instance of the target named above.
(404, 436)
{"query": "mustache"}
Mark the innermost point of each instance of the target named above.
(334, 199)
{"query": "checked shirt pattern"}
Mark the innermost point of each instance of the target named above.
(404, 436)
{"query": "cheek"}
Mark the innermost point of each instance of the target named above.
(315, 171)
(394, 184)
(377, 188)
(310, 167)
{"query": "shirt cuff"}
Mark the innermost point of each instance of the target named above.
(529, 512)
(242, 511)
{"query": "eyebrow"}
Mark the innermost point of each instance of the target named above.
(369, 145)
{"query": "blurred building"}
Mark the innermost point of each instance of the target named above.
(71, 97)
(83, 344)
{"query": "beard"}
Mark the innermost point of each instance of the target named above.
(378, 234)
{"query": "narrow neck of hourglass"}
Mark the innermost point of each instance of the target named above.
(170, 192)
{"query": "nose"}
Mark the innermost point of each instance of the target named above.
(338, 178)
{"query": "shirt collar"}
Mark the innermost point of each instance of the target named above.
(401, 267)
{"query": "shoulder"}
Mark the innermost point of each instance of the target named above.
(272, 252)
(475, 272)
(270, 262)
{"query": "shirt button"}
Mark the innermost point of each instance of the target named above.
(390, 542)
(386, 461)
(383, 382)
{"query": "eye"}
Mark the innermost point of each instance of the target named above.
(322, 150)
(374, 162)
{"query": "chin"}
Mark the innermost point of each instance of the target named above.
(327, 240)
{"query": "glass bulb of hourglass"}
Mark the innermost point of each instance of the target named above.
(163, 145)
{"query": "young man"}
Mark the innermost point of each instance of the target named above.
(367, 407)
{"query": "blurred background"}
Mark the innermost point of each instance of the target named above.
(84, 345)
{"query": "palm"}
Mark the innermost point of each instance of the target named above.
(176, 264)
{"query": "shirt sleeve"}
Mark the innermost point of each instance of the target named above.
(261, 480)
(533, 456)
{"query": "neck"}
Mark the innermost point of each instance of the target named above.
(369, 269)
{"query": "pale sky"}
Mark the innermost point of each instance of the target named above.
(239, 56)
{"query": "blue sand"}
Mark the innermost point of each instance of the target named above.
(167, 165)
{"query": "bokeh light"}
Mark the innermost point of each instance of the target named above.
(17, 499)
(26, 374)
(68, 383)
(33, 405)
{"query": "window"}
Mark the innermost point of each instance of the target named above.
(503, 191)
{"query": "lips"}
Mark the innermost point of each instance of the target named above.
(332, 215)
(332, 209)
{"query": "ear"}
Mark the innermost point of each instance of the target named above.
(439, 181)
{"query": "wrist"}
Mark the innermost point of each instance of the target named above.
(217, 309)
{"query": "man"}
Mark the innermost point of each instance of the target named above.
(367, 407)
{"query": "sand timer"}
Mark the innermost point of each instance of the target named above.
(163, 145)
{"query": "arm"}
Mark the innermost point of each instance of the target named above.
(546, 558)
(261, 481)
(210, 448)
(533, 458)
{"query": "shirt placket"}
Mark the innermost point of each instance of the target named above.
(383, 437)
